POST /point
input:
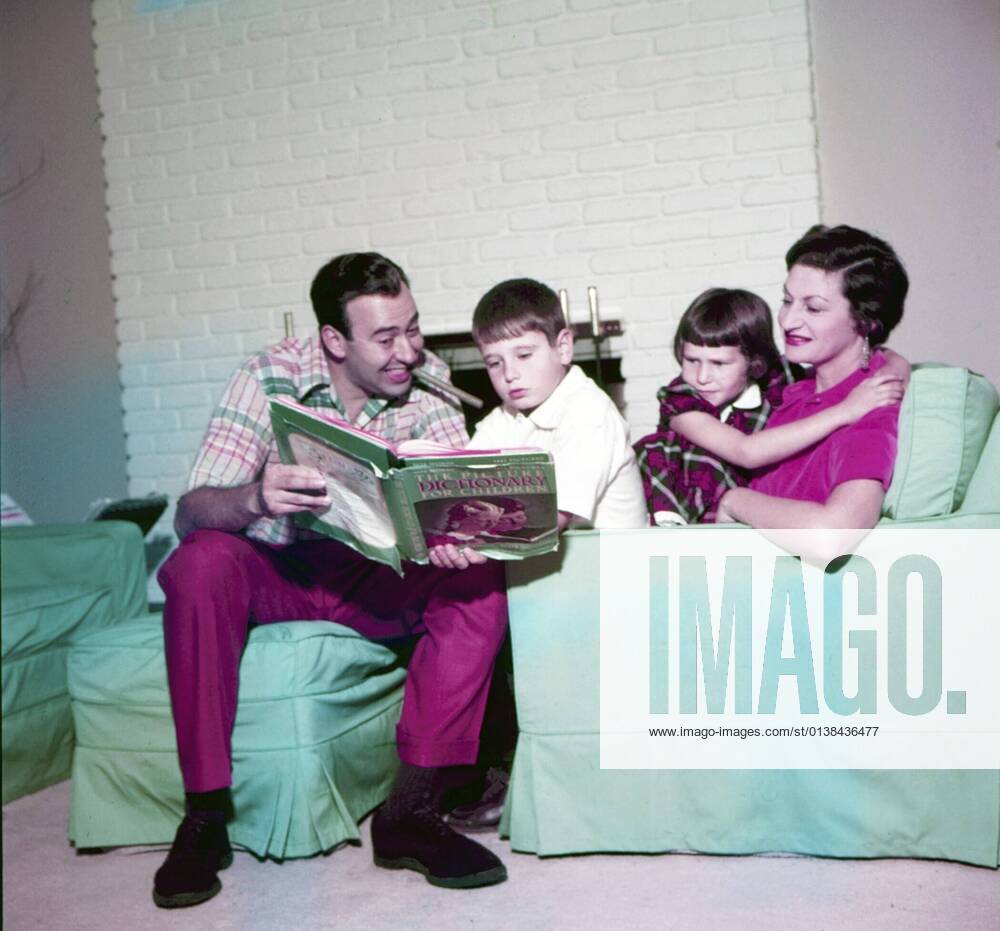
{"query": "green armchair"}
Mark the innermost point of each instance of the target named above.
(59, 583)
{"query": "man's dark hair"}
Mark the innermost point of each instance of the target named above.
(514, 307)
(346, 277)
(730, 317)
(872, 277)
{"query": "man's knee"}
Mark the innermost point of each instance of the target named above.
(204, 556)
(486, 585)
(481, 591)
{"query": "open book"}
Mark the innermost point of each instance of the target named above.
(391, 502)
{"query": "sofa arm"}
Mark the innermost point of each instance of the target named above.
(553, 604)
(103, 553)
(983, 494)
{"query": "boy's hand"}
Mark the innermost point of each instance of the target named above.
(880, 390)
(449, 556)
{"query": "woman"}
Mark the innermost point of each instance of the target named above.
(843, 295)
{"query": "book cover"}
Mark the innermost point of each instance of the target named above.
(392, 502)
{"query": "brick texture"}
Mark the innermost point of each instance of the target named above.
(652, 148)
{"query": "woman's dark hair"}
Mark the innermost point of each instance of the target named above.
(346, 277)
(872, 277)
(730, 317)
(514, 307)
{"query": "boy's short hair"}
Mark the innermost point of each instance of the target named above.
(348, 276)
(872, 277)
(514, 307)
(730, 317)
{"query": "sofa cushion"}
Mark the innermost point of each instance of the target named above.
(944, 423)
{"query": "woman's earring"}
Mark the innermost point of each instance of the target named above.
(866, 355)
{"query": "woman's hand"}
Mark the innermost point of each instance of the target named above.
(881, 390)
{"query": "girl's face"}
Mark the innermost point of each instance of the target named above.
(717, 373)
(816, 318)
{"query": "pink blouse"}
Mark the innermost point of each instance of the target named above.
(865, 449)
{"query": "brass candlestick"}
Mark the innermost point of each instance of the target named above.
(595, 331)
(564, 304)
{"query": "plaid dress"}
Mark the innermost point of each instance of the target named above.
(239, 443)
(683, 478)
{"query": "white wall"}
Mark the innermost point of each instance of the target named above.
(63, 443)
(650, 148)
(908, 99)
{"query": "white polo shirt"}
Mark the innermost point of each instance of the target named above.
(597, 478)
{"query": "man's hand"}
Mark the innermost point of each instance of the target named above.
(281, 489)
(287, 489)
(449, 556)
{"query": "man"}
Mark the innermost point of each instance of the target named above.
(242, 558)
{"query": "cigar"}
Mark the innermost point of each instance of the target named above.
(434, 382)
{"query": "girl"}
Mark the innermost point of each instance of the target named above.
(732, 377)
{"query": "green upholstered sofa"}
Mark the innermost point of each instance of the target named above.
(59, 583)
(561, 802)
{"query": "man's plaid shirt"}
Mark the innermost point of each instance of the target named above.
(683, 478)
(239, 443)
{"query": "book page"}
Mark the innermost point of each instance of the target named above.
(358, 503)
(428, 449)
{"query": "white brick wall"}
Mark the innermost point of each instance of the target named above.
(650, 148)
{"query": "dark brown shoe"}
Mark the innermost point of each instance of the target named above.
(483, 814)
(189, 875)
(421, 841)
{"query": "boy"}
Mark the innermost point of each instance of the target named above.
(547, 402)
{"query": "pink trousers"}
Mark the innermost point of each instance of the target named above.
(218, 583)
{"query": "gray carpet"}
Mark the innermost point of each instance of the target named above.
(48, 885)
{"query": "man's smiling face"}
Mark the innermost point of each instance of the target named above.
(384, 345)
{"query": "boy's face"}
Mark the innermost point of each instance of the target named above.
(717, 373)
(525, 369)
